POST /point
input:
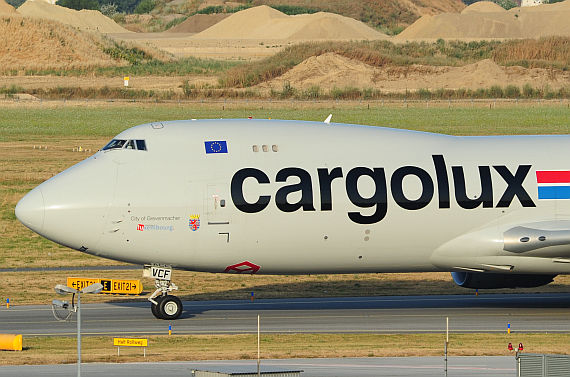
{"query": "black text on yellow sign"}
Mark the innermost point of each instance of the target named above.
(112, 286)
(130, 342)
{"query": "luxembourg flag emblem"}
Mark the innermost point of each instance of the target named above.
(553, 184)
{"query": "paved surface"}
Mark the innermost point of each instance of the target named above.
(367, 367)
(393, 314)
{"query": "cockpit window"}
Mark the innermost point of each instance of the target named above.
(130, 144)
(141, 145)
(125, 144)
(114, 144)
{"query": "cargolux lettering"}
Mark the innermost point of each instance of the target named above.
(302, 189)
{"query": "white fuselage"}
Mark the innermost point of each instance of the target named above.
(304, 197)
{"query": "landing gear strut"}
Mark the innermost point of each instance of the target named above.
(163, 305)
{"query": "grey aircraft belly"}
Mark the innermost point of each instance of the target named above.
(295, 197)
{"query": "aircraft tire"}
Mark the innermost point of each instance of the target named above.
(170, 307)
(155, 308)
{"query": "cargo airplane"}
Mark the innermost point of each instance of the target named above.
(294, 197)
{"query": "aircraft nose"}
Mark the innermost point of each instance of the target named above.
(30, 210)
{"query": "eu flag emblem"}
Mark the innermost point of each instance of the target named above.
(219, 146)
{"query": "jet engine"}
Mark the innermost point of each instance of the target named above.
(494, 281)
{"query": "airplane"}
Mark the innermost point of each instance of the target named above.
(253, 196)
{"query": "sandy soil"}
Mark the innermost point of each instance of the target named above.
(260, 32)
(484, 20)
(483, 7)
(147, 83)
(264, 22)
(198, 23)
(238, 37)
(213, 3)
(6, 8)
(332, 70)
(91, 20)
(31, 43)
(421, 7)
(182, 45)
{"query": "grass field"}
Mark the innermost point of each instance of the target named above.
(81, 121)
(57, 350)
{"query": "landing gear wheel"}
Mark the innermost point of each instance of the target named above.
(170, 307)
(163, 305)
(154, 308)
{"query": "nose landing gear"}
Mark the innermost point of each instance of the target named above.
(163, 305)
(167, 307)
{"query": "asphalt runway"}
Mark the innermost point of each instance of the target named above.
(388, 314)
(467, 366)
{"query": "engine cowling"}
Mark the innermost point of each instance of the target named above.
(482, 280)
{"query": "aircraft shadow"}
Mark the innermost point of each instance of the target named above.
(366, 294)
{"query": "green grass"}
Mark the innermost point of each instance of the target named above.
(175, 22)
(221, 9)
(37, 123)
(152, 67)
(190, 91)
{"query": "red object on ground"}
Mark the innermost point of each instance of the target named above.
(510, 346)
(521, 347)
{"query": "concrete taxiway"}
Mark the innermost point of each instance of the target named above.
(362, 367)
(392, 314)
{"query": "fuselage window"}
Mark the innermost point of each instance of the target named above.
(141, 145)
(114, 144)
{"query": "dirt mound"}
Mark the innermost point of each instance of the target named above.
(331, 70)
(6, 8)
(327, 71)
(484, 73)
(84, 19)
(198, 23)
(376, 12)
(45, 44)
(217, 3)
(422, 8)
(483, 7)
(526, 22)
(266, 23)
